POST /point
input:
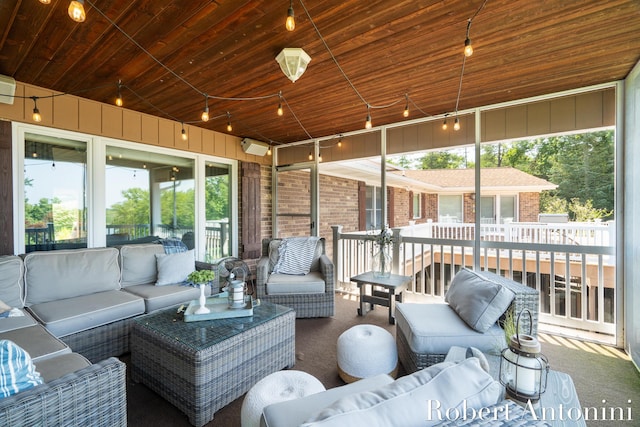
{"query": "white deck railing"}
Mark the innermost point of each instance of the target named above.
(572, 265)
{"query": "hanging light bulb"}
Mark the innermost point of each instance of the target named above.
(310, 155)
(229, 127)
(290, 24)
(34, 155)
(119, 97)
(184, 133)
(468, 49)
(340, 142)
(405, 113)
(319, 157)
(444, 124)
(269, 151)
(36, 113)
(205, 112)
(76, 10)
(456, 124)
(367, 123)
(280, 110)
(45, 1)
(53, 166)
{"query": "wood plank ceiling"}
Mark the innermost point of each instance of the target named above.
(169, 54)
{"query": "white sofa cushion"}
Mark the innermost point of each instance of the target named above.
(138, 264)
(478, 301)
(54, 275)
(426, 336)
(157, 297)
(420, 399)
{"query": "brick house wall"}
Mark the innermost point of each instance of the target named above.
(528, 207)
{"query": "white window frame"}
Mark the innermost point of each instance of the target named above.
(96, 164)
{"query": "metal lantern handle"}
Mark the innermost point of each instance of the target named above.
(518, 324)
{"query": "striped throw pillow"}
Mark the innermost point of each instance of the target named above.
(296, 255)
(17, 371)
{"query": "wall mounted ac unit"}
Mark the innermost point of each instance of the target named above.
(7, 89)
(251, 146)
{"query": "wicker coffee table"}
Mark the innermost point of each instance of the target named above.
(202, 366)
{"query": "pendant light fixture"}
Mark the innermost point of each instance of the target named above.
(229, 127)
(293, 62)
(290, 23)
(183, 133)
(76, 10)
(405, 113)
(456, 124)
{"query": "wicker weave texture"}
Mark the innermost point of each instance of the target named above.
(201, 382)
(95, 396)
(101, 342)
(305, 305)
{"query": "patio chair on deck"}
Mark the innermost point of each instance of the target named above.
(296, 272)
(477, 303)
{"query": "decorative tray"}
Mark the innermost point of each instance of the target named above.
(218, 309)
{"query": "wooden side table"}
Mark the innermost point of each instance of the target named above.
(391, 292)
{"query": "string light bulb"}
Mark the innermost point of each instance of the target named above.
(205, 112)
(405, 113)
(310, 155)
(290, 24)
(444, 124)
(468, 49)
(184, 133)
(319, 157)
(119, 101)
(36, 113)
(45, 1)
(340, 143)
(367, 123)
(280, 110)
(269, 151)
(76, 10)
(456, 124)
(229, 127)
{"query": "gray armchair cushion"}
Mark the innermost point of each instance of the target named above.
(435, 328)
(286, 284)
(478, 301)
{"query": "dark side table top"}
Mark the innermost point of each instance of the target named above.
(393, 281)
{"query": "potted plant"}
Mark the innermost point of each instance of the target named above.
(201, 278)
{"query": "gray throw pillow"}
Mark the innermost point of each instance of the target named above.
(478, 301)
(174, 268)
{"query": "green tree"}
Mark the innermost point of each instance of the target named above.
(38, 215)
(133, 210)
(217, 197)
(184, 208)
(441, 160)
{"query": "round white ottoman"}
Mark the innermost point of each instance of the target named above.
(276, 387)
(365, 351)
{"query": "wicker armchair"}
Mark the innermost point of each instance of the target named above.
(317, 304)
(408, 322)
(93, 396)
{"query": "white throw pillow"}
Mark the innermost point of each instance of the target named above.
(419, 399)
(174, 268)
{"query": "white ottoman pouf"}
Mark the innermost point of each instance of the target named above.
(365, 351)
(276, 387)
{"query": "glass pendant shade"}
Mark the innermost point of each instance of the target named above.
(293, 62)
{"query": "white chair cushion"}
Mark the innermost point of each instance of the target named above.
(288, 284)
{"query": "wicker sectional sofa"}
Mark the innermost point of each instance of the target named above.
(78, 306)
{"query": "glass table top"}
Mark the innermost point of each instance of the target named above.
(206, 333)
